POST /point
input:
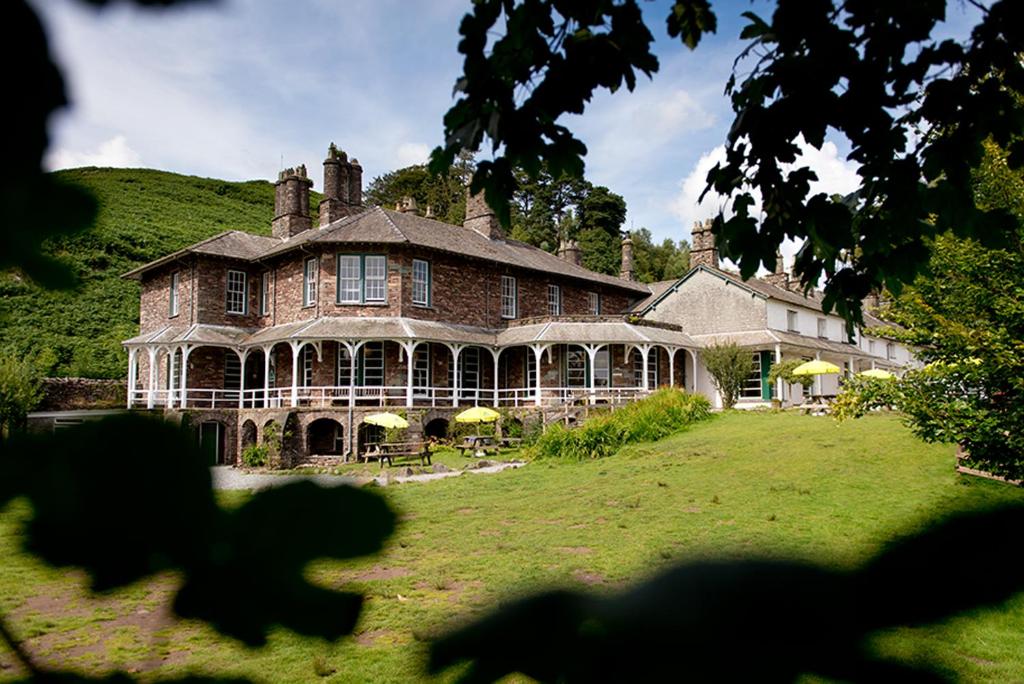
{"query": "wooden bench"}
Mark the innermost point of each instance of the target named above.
(475, 443)
(511, 442)
(401, 451)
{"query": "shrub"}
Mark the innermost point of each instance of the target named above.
(729, 366)
(665, 412)
(255, 455)
(784, 371)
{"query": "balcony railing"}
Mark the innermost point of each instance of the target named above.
(380, 396)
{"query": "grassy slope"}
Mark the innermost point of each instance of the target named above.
(144, 215)
(777, 485)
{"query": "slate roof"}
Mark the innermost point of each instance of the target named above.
(383, 226)
(199, 333)
(232, 244)
(769, 338)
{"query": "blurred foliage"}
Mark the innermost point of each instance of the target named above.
(20, 391)
(444, 193)
(915, 109)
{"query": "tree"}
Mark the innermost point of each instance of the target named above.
(667, 261)
(964, 316)
(914, 108)
(444, 193)
(19, 392)
(784, 371)
(729, 366)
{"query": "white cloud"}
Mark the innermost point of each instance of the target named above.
(835, 176)
(113, 152)
(408, 154)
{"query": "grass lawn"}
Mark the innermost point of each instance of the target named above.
(765, 484)
(440, 455)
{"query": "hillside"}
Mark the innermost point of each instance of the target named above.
(144, 214)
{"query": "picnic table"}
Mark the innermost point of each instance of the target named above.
(511, 442)
(478, 444)
(392, 451)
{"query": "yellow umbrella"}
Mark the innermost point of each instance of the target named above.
(478, 414)
(877, 373)
(386, 420)
(816, 367)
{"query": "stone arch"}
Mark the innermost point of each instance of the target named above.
(436, 429)
(325, 437)
(248, 434)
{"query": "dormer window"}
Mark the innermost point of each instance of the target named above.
(172, 306)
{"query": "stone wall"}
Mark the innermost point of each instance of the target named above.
(707, 304)
(67, 394)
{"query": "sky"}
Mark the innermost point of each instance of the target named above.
(239, 89)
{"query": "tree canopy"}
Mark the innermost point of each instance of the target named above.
(915, 109)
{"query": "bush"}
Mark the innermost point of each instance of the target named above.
(665, 412)
(729, 366)
(255, 455)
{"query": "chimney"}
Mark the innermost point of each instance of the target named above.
(626, 270)
(702, 249)
(291, 203)
(779, 277)
(570, 251)
(343, 193)
(429, 212)
(481, 218)
(408, 206)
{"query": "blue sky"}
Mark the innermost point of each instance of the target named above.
(236, 89)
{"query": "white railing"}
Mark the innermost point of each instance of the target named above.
(382, 396)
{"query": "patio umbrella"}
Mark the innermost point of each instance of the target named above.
(478, 414)
(877, 373)
(386, 420)
(816, 367)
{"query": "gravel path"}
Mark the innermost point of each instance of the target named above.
(227, 477)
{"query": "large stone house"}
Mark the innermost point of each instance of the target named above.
(317, 326)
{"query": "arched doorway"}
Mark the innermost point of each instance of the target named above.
(248, 434)
(211, 441)
(436, 429)
(325, 437)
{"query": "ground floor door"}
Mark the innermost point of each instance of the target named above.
(211, 441)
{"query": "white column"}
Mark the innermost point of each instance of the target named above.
(671, 366)
(495, 353)
(644, 351)
(779, 384)
(592, 350)
(296, 346)
(185, 351)
(538, 352)
(132, 351)
(693, 380)
(410, 348)
(817, 378)
(266, 375)
(852, 373)
(353, 349)
(172, 391)
(456, 352)
(151, 394)
(242, 355)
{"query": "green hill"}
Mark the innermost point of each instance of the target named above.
(143, 215)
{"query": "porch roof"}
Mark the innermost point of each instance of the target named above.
(769, 338)
(603, 332)
(198, 333)
(372, 328)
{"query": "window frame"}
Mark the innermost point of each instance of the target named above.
(792, 321)
(242, 295)
(360, 279)
(174, 296)
(594, 303)
(752, 387)
(426, 283)
(265, 293)
(823, 328)
(511, 298)
(310, 278)
(554, 304)
(890, 351)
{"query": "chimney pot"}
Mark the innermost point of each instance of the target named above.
(702, 249)
(343, 194)
(291, 203)
(408, 205)
(627, 270)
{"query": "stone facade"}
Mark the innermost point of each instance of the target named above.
(70, 394)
